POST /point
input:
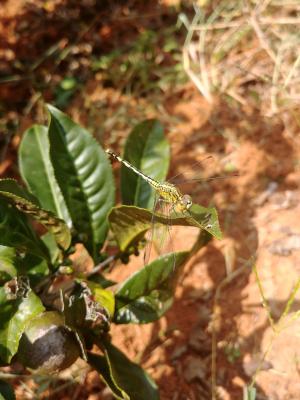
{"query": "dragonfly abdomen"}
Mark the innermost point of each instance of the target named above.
(147, 178)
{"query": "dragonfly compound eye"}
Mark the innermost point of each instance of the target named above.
(187, 201)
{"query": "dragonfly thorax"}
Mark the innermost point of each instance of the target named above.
(172, 195)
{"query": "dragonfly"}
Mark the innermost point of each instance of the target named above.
(166, 191)
(172, 200)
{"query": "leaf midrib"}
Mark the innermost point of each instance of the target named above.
(61, 128)
(44, 154)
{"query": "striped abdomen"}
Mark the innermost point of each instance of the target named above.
(127, 164)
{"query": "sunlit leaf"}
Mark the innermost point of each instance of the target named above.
(37, 171)
(103, 296)
(7, 262)
(129, 223)
(10, 190)
(15, 316)
(148, 294)
(84, 175)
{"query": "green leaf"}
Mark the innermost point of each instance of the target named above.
(129, 223)
(37, 171)
(84, 175)
(16, 232)
(7, 263)
(205, 218)
(126, 379)
(10, 190)
(148, 293)
(15, 315)
(249, 393)
(54, 251)
(12, 264)
(104, 297)
(100, 364)
(6, 391)
(148, 150)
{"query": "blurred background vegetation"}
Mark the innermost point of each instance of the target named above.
(222, 76)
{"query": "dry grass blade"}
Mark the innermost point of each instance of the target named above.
(250, 53)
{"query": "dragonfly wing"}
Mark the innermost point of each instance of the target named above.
(162, 232)
(150, 234)
(159, 236)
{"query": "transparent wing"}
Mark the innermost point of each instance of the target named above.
(159, 236)
(150, 234)
(189, 172)
(203, 171)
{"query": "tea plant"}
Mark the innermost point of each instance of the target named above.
(51, 313)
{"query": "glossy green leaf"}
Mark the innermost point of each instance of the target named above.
(12, 264)
(100, 364)
(205, 218)
(37, 171)
(149, 151)
(7, 263)
(84, 175)
(16, 232)
(54, 251)
(126, 379)
(148, 294)
(15, 316)
(6, 391)
(129, 223)
(10, 190)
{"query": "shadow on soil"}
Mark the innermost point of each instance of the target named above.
(191, 312)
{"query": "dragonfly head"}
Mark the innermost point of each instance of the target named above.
(185, 203)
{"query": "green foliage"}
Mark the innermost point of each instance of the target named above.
(11, 191)
(130, 223)
(65, 91)
(84, 175)
(249, 393)
(125, 378)
(7, 263)
(16, 313)
(152, 61)
(37, 169)
(70, 191)
(233, 352)
(148, 294)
